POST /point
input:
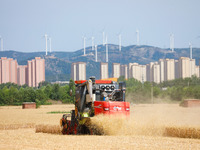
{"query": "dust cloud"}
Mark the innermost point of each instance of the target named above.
(152, 120)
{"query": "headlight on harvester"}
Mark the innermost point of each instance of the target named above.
(127, 109)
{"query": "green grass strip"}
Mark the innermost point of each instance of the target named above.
(58, 112)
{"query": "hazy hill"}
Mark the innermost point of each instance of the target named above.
(58, 64)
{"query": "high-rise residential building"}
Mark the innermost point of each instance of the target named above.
(116, 70)
(192, 67)
(78, 71)
(143, 73)
(22, 75)
(104, 70)
(73, 71)
(134, 71)
(156, 72)
(5, 70)
(176, 65)
(13, 71)
(35, 71)
(162, 72)
(129, 70)
(124, 71)
(81, 71)
(187, 67)
(197, 71)
(8, 70)
(32, 74)
(39, 70)
(138, 72)
(149, 72)
(169, 67)
(184, 67)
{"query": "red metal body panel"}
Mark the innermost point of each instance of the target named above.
(80, 81)
(103, 82)
(115, 108)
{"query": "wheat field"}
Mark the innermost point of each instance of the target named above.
(158, 126)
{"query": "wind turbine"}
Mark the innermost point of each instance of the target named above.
(50, 44)
(96, 53)
(172, 42)
(84, 38)
(106, 49)
(103, 38)
(138, 37)
(190, 46)
(120, 42)
(92, 43)
(1, 43)
(46, 38)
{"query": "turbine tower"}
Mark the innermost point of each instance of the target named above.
(46, 38)
(138, 38)
(50, 44)
(106, 49)
(96, 53)
(172, 42)
(190, 46)
(92, 43)
(84, 38)
(104, 42)
(1, 43)
(120, 42)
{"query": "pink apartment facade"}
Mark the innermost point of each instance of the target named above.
(31, 74)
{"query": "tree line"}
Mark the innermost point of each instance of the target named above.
(169, 91)
(12, 94)
(136, 91)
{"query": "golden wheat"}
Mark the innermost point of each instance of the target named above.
(53, 129)
(16, 126)
(149, 127)
(182, 132)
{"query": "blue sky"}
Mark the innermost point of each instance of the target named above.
(24, 22)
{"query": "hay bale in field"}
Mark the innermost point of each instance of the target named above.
(190, 103)
(29, 105)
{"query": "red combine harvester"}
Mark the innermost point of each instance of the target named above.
(94, 97)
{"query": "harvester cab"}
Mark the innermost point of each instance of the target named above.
(93, 97)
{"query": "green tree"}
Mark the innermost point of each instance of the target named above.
(13, 95)
(29, 95)
(5, 95)
(48, 90)
(156, 91)
(121, 79)
(55, 92)
(43, 83)
(40, 95)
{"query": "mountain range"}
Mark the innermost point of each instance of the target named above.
(58, 64)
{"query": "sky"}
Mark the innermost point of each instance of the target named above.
(23, 23)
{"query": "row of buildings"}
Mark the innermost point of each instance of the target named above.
(31, 74)
(163, 70)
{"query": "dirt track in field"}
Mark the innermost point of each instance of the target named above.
(146, 129)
